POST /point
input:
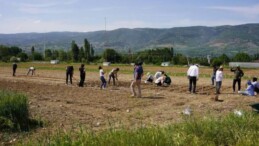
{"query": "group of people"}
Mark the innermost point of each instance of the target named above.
(112, 75)
(30, 70)
(162, 79)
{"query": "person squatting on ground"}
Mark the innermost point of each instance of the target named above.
(164, 80)
(69, 74)
(193, 76)
(160, 81)
(82, 75)
(138, 73)
(103, 81)
(32, 70)
(150, 78)
(14, 68)
(213, 76)
(249, 90)
(114, 75)
(237, 77)
(158, 74)
(255, 84)
(218, 79)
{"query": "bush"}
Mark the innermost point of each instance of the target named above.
(229, 130)
(14, 112)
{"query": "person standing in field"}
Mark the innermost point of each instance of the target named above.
(218, 79)
(69, 74)
(138, 73)
(193, 76)
(238, 74)
(114, 75)
(14, 68)
(103, 81)
(82, 75)
(213, 76)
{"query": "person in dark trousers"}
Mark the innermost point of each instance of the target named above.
(114, 75)
(14, 68)
(69, 74)
(238, 74)
(82, 75)
(32, 70)
(193, 76)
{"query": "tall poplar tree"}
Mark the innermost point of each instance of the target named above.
(75, 51)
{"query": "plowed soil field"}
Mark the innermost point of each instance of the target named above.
(60, 105)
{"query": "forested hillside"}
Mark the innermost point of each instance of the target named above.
(194, 41)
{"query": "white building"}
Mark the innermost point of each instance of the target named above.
(165, 64)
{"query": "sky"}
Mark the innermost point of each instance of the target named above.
(23, 16)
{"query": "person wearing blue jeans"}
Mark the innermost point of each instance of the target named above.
(103, 84)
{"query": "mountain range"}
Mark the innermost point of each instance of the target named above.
(192, 41)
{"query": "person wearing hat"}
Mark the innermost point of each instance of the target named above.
(114, 75)
(238, 74)
(249, 90)
(193, 76)
(218, 79)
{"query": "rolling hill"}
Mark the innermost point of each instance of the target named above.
(193, 41)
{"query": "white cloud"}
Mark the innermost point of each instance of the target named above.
(250, 11)
(1, 15)
(36, 21)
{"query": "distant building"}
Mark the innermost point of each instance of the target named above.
(54, 61)
(244, 64)
(106, 63)
(165, 64)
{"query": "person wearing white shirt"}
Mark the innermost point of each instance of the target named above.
(158, 74)
(101, 72)
(160, 81)
(219, 78)
(193, 75)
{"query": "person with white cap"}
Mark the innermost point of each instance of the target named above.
(238, 74)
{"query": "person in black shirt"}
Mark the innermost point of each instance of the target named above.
(69, 74)
(14, 68)
(82, 75)
(238, 74)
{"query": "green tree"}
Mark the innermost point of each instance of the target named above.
(87, 49)
(55, 54)
(92, 51)
(62, 55)
(81, 54)
(48, 54)
(111, 55)
(37, 56)
(242, 57)
(23, 56)
(75, 51)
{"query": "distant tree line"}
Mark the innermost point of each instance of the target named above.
(86, 54)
